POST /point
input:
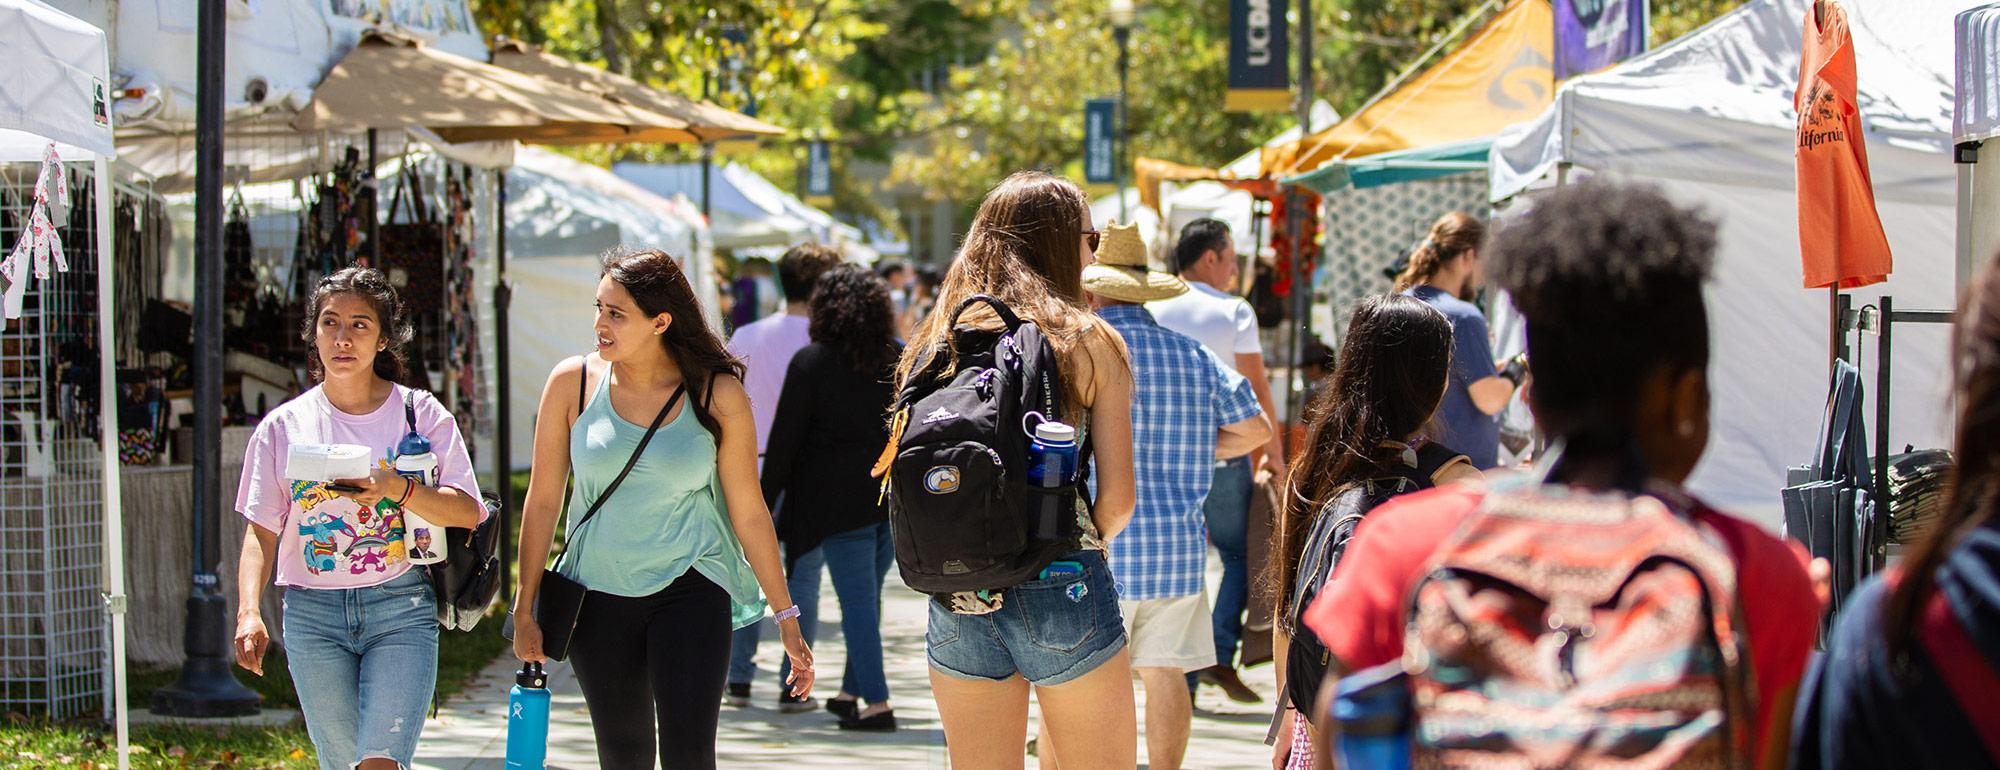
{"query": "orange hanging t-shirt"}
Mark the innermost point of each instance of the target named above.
(1840, 236)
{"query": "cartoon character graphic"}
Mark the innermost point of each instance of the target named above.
(319, 530)
(370, 548)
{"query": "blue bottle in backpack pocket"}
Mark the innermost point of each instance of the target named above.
(1373, 709)
(1052, 465)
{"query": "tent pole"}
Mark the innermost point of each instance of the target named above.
(374, 206)
(1967, 155)
(107, 440)
(503, 422)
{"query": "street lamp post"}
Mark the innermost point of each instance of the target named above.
(205, 687)
(1123, 17)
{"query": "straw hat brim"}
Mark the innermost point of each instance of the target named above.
(1131, 284)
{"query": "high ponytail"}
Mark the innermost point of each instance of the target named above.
(1452, 235)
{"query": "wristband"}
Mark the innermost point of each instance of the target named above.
(409, 488)
(786, 614)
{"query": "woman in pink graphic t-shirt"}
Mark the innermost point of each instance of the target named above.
(360, 628)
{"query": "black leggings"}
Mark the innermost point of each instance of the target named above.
(661, 657)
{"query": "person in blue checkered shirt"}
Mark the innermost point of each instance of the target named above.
(1188, 410)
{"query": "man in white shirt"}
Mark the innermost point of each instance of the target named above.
(767, 347)
(1205, 257)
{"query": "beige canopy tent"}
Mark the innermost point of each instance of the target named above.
(465, 100)
(699, 121)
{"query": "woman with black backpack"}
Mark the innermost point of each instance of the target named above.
(360, 620)
(1059, 630)
(669, 541)
(1365, 442)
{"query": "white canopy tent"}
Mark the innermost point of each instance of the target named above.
(60, 66)
(748, 211)
(1708, 118)
(283, 47)
(1975, 121)
(563, 215)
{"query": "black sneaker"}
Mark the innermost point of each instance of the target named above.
(738, 695)
(789, 704)
(884, 722)
(845, 708)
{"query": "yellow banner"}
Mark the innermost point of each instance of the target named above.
(1257, 100)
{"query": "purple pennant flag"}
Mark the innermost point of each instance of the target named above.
(1594, 34)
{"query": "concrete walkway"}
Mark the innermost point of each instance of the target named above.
(470, 731)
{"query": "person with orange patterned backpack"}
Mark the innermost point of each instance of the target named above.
(1593, 613)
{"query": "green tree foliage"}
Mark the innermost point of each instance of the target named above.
(955, 95)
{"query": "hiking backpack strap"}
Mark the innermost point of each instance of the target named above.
(1964, 669)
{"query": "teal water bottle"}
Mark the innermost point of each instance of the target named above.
(528, 719)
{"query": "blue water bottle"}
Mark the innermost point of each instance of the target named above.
(1052, 463)
(528, 719)
(1373, 709)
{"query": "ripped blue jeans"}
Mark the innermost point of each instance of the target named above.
(364, 661)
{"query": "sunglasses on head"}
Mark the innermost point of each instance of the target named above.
(1093, 237)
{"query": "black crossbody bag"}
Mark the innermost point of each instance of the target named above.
(560, 599)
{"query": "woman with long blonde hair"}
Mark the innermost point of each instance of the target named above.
(1027, 248)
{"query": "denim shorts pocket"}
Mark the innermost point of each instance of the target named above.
(1060, 614)
(942, 628)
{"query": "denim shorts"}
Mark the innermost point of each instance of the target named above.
(364, 662)
(1048, 631)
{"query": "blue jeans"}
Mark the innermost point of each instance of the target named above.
(364, 661)
(803, 583)
(859, 560)
(1227, 510)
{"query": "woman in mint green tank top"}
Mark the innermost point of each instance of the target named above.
(682, 551)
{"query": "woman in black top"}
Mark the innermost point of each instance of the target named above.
(829, 427)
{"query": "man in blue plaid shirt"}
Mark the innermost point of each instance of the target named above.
(1188, 410)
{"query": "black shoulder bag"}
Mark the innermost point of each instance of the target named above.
(560, 599)
(469, 577)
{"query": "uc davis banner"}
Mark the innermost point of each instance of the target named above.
(1259, 80)
(1594, 34)
(819, 174)
(1099, 141)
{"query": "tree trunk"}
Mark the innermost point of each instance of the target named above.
(608, 35)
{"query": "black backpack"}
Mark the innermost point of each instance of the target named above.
(469, 577)
(960, 505)
(1307, 659)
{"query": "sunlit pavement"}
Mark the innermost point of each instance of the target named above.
(469, 732)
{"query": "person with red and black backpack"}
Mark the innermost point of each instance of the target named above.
(1366, 443)
(1593, 614)
(1915, 652)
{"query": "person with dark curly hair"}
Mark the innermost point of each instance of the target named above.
(361, 629)
(831, 421)
(1609, 279)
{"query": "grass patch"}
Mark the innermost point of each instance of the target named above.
(33, 743)
(27, 743)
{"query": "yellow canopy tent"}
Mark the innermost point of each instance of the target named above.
(1501, 76)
